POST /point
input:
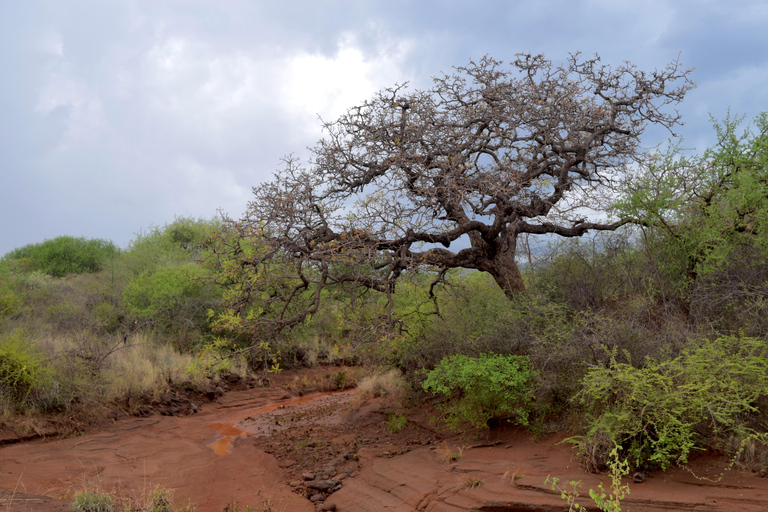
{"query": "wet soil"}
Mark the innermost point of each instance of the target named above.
(266, 449)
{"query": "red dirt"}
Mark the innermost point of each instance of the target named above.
(259, 447)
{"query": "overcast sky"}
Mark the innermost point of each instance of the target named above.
(119, 115)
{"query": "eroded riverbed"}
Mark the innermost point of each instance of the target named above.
(259, 447)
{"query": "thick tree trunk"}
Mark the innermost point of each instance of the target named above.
(505, 271)
(499, 261)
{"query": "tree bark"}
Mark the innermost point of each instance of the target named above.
(506, 273)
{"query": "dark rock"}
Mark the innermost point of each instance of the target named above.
(308, 476)
(324, 507)
(317, 497)
(218, 391)
(322, 485)
(233, 378)
(638, 477)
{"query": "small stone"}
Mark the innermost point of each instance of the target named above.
(317, 497)
(638, 477)
(218, 391)
(308, 476)
(325, 507)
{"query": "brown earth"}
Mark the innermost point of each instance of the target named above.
(262, 449)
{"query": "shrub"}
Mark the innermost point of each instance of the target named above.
(21, 367)
(483, 388)
(93, 501)
(64, 255)
(390, 384)
(666, 409)
(173, 298)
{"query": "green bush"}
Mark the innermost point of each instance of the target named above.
(21, 367)
(490, 386)
(93, 501)
(665, 410)
(174, 297)
(63, 255)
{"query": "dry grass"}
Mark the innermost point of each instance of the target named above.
(149, 499)
(390, 385)
(449, 454)
(86, 368)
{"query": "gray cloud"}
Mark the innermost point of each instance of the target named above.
(116, 115)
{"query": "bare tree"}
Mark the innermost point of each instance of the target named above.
(486, 154)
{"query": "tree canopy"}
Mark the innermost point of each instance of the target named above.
(446, 177)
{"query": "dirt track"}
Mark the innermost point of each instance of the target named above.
(258, 448)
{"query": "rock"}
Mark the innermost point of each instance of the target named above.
(322, 485)
(233, 378)
(326, 507)
(638, 477)
(317, 497)
(219, 391)
(308, 476)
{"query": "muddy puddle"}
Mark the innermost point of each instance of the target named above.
(272, 418)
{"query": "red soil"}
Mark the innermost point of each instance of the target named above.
(257, 447)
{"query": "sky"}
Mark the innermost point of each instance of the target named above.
(116, 116)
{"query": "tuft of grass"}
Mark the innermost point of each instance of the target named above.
(396, 422)
(93, 501)
(390, 384)
(448, 454)
(471, 483)
(512, 474)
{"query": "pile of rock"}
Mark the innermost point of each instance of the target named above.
(321, 484)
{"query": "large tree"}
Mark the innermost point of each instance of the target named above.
(446, 177)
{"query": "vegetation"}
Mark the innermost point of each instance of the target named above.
(610, 502)
(64, 255)
(484, 388)
(648, 333)
(660, 411)
(487, 155)
(158, 500)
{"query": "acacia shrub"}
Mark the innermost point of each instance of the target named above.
(661, 412)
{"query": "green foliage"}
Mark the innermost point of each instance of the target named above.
(93, 501)
(11, 300)
(182, 241)
(161, 500)
(63, 255)
(164, 290)
(396, 422)
(607, 502)
(483, 388)
(664, 410)
(172, 298)
(21, 366)
(702, 210)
